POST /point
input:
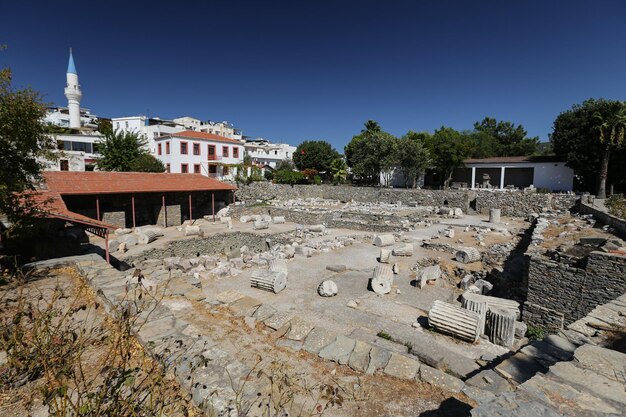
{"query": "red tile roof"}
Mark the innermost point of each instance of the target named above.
(64, 182)
(51, 205)
(191, 134)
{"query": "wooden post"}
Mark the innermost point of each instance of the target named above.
(190, 212)
(213, 205)
(164, 211)
(132, 202)
(106, 245)
(233, 198)
(97, 208)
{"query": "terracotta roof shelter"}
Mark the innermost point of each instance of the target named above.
(75, 183)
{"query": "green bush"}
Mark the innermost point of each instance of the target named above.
(535, 333)
(288, 177)
(317, 180)
(269, 175)
(617, 205)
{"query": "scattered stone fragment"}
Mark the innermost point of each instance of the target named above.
(327, 288)
(299, 329)
(260, 225)
(396, 270)
(352, 304)
(466, 282)
(467, 255)
(384, 240)
(278, 320)
(360, 357)
(404, 250)
(317, 228)
(192, 230)
(489, 381)
(429, 274)
(224, 219)
(501, 326)
(269, 281)
(455, 321)
(336, 268)
(379, 358)
(317, 339)
(383, 258)
(520, 329)
(338, 351)
(278, 220)
(382, 279)
(484, 286)
(494, 215)
(440, 379)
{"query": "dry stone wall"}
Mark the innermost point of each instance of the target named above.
(512, 203)
(559, 294)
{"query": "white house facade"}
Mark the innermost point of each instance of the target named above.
(200, 153)
(265, 153)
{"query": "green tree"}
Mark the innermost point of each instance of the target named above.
(314, 154)
(105, 126)
(448, 149)
(512, 140)
(25, 147)
(146, 163)
(288, 177)
(413, 156)
(610, 122)
(285, 165)
(118, 150)
(339, 170)
(370, 153)
(576, 137)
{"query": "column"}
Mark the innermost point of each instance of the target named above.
(132, 202)
(164, 211)
(98, 208)
(473, 185)
(502, 178)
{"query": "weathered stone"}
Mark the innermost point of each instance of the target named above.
(192, 230)
(455, 321)
(304, 251)
(383, 258)
(360, 357)
(327, 288)
(520, 329)
(299, 329)
(224, 219)
(402, 367)
(484, 286)
(592, 381)
(228, 297)
(264, 312)
(339, 350)
(489, 381)
(384, 240)
(317, 339)
(428, 274)
(494, 215)
(278, 220)
(317, 228)
(467, 255)
(519, 368)
(440, 379)
(379, 358)
(269, 281)
(466, 282)
(492, 301)
(382, 280)
(261, 225)
(278, 265)
(336, 268)
(603, 361)
(560, 343)
(404, 250)
(501, 326)
(278, 320)
(245, 306)
(512, 404)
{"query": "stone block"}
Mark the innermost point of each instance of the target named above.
(402, 367)
(317, 339)
(360, 357)
(338, 351)
(440, 379)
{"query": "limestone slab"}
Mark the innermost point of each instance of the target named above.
(402, 367)
(596, 383)
(228, 297)
(545, 353)
(490, 381)
(299, 329)
(339, 350)
(440, 379)
(519, 368)
(278, 320)
(245, 306)
(360, 357)
(264, 312)
(606, 362)
(317, 339)
(379, 358)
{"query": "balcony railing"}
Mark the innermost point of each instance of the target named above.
(214, 158)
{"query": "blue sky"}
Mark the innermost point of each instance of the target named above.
(298, 70)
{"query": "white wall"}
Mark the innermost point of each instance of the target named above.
(176, 159)
(552, 175)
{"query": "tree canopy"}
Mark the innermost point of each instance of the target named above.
(25, 146)
(314, 154)
(412, 156)
(146, 163)
(448, 149)
(371, 152)
(577, 136)
(119, 151)
(504, 138)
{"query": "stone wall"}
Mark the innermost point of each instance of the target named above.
(560, 294)
(214, 244)
(512, 203)
(605, 218)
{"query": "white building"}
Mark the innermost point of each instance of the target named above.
(223, 129)
(77, 152)
(266, 153)
(60, 116)
(200, 153)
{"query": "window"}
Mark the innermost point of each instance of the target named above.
(183, 148)
(196, 168)
(212, 169)
(167, 168)
(65, 165)
(211, 152)
(225, 170)
(184, 168)
(235, 152)
(126, 125)
(225, 151)
(159, 149)
(275, 152)
(167, 148)
(196, 149)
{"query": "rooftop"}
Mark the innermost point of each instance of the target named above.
(68, 183)
(190, 134)
(514, 159)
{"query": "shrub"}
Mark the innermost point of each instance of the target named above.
(269, 175)
(616, 205)
(535, 333)
(288, 177)
(317, 180)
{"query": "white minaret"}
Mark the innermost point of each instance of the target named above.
(73, 94)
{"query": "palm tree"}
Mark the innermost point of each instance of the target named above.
(611, 125)
(371, 126)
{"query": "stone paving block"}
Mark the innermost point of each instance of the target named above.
(195, 294)
(589, 380)
(402, 367)
(514, 404)
(360, 357)
(278, 320)
(566, 399)
(478, 395)
(299, 329)
(607, 362)
(519, 368)
(379, 358)
(545, 353)
(339, 350)
(245, 306)
(264, 312)
(228, 297)
(294, 345)
(160, 328)
(440, 379)
(561, 343)
(490, 381)
(317, 339)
